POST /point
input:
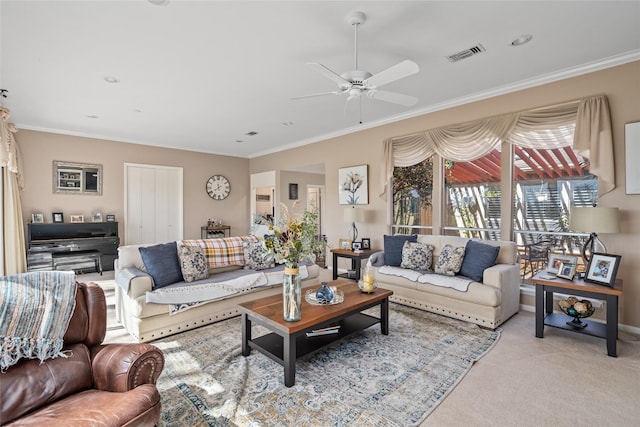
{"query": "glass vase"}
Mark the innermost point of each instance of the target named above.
(292, 294)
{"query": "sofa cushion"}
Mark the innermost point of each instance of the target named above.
(477, 258)
(417, 256)
(222, 252)
(450, 260)
(393, 248)
(193, 263)
(162, 264)
(256, 256)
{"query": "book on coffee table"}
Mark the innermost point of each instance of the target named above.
(324, 331)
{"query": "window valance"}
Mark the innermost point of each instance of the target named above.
(584, 124)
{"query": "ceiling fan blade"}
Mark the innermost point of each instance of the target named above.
(334, 92)
(329, 74)
(391, 74)
(396, 98)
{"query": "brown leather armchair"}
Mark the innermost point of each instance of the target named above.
(97, 385)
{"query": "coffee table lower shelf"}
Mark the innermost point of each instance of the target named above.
(272, 344)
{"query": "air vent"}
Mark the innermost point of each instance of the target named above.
(467, 53)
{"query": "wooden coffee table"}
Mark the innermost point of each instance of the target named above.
(288, 341)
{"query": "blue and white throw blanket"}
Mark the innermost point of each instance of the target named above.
(35, 310)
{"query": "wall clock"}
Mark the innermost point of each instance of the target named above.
(218, 187)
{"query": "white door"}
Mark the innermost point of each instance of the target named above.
(153, 204)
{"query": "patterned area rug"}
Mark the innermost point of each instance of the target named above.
(366, 379)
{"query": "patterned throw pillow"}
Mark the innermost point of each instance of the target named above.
(417, 256)
(193, 263)
(450, 260)
(256, 256)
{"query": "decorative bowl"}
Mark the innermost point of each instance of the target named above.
(311, 298)
(578, 309)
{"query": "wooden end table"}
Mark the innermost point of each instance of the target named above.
(288, 340)
(356, 261)
(546, 286)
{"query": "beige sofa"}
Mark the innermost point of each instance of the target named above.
(138, 306)
(488, 303)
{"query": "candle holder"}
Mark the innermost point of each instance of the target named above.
(368, 281)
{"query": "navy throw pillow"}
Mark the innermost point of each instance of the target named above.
(393, 248)
(478, 257)
(162, 263)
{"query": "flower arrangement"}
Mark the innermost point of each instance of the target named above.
(294, 239)
(351, 185)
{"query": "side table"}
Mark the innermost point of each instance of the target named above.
(545, 287)
(356, 261)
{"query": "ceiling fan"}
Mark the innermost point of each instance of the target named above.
(356, 83)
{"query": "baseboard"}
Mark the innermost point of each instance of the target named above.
(532, 309)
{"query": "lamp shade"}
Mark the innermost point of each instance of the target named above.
(353, 215)
(595, 220)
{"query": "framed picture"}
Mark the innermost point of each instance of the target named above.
(77, 218)
(97, 217)
(293, 191)
(556, 259)
(263, 198)
(37, 218)
(603, 268)
(356, 246)
(354, 185)
(567, 270)
(58, 217)
(366, 243)
(344, 244)
(111, 218)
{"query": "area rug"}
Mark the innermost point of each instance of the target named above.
(366, 379)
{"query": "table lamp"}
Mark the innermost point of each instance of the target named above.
(594, 220)
(353, 215)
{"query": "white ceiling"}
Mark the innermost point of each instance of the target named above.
(200, 75)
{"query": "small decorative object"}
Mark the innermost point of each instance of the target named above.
(324, 295)
(602, 269)
(356, 246)
(292, 294)
(310, 297)
(578, 309)
(77, 218)
(368, 282)
(111, 218)
(58, 217)
(37, 218)
(353, 183)
(366, 243)
(97, 217)
(566, 270)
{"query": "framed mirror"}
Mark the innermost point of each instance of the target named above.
(77, 178)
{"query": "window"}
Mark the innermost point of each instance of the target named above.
(412, 198)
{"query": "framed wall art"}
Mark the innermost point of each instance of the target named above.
(293, 191)
(602, 269)
(58, 217)
(354, 185)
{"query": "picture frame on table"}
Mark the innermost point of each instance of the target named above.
(344, 244)
(356, 246)
(97, 217)
(77, 218)
(58, 217)
(602, 269)
(566, 270)
(37, 218)
(555, 260)
(111, 218)
(366, 243)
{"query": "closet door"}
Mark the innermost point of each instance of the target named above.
(153, 204)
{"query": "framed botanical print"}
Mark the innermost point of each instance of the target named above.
(354, 185)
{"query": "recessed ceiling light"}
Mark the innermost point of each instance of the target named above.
(111, 79)
(523, 39)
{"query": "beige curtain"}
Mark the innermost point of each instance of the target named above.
(585, 124)
(14, 250)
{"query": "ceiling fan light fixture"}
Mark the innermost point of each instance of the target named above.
(523, 39)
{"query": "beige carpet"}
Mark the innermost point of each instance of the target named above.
(564, 379)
